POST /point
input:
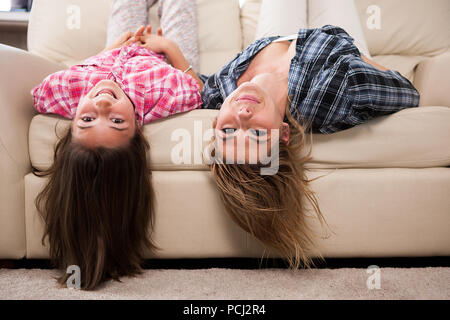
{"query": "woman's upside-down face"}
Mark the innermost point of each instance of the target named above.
(249, 120)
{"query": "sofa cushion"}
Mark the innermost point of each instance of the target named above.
(219, 33)
(371, 213)
(406, 65)
(249, 21)
(410, 138)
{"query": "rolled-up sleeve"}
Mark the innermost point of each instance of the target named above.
(212, 99)
(373, 92)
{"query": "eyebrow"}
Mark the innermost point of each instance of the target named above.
(119, 129)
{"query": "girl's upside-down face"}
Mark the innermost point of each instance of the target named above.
(104, 117)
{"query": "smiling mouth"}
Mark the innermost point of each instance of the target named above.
(248, 98)
(106, 91)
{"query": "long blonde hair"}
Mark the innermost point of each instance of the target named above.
(272, 208)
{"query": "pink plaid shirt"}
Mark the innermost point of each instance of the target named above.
(156, 89)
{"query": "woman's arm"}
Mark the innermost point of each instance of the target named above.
(376, 65)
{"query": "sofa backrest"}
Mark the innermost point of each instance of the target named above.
(402, 33)
(68, 31)
(399, 33)
(405, 27)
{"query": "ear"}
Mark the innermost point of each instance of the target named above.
(285, 133)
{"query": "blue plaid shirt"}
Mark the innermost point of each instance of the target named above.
(330, 87)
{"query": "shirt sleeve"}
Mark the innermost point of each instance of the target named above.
(373, 92)
(178, 92)
(53, 94)
(212, 99)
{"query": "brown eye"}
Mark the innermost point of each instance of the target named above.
(86, 118)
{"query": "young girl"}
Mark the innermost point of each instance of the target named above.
(98, 203)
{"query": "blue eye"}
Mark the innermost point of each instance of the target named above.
(228, 130)
(259, 132)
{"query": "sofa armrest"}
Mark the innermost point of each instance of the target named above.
(20, 72)
(432, 79)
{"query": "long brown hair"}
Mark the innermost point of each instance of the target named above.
(98, 209)
(272, 208)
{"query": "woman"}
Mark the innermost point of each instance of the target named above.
(282, 89)
(98, 202)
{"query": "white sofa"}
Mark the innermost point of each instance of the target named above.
(385, 189)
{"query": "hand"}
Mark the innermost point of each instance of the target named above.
(124, 40)
(155, 42)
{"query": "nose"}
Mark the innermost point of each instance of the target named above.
(244, 112)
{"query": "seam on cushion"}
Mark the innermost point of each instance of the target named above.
(9, 154)
(425, 109)
(203, 167)
(372, 166)
(364, 162)
(404, 161)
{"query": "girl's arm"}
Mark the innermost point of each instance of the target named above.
(179, 62)
(159, 44)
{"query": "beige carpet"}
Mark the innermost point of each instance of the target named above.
(231, 284)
